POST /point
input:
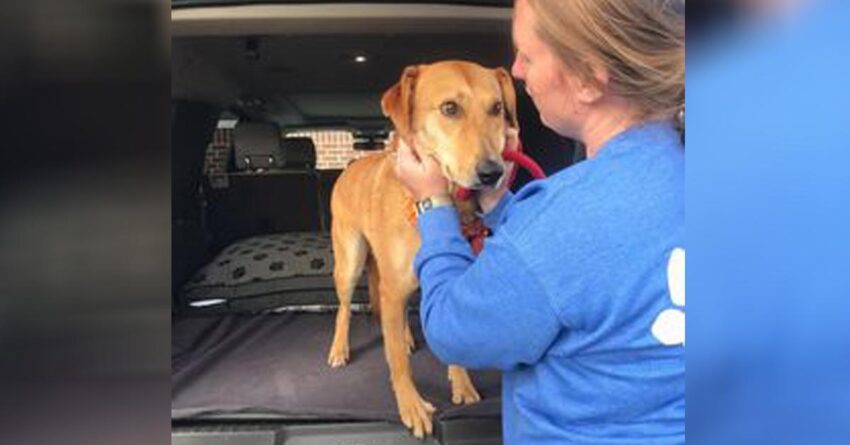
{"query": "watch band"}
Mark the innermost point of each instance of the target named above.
(432, 203)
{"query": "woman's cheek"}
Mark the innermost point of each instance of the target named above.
(530, 85)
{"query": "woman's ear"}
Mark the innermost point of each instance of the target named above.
(592, 87)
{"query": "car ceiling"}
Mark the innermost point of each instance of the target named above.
(303, 72)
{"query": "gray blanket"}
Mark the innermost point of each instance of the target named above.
(275, 365)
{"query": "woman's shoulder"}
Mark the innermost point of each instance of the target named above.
(553, 198)
(602, 191)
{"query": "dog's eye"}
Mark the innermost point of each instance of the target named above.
(496, 110)
(450, 108)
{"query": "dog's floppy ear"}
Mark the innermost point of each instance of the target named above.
(397, 102)
(506, 83)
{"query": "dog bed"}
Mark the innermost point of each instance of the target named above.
(267, 272)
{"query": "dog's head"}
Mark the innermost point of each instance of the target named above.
(459, 112)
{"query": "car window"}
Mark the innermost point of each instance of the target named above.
(334, 148)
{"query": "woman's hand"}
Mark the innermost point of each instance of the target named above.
(422, 176)
(488, 198)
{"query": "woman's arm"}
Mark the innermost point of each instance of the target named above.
(484, 312)
(493, 216)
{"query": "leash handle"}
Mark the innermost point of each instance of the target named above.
(523, 160)
(519, 158)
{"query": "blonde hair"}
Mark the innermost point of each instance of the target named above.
(640, 43)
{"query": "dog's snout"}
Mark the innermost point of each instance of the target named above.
(489, 172)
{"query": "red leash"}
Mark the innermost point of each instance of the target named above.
(476, 231)
(516, 156)
(524, 161)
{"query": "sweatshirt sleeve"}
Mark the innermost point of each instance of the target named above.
(493, 218)
(480, 312)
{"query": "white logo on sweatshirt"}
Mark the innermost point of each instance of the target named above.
(669, 326)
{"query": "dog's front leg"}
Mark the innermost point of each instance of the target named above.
(463, 391)
(409, 342)
(415, 412)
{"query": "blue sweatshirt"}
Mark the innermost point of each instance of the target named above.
(568, 294)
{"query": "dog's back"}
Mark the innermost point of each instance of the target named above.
(369, 199)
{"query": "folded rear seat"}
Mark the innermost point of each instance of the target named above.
(262, 194)
(301, 159)
(272, 246)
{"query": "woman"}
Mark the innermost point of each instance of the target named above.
(578, 297)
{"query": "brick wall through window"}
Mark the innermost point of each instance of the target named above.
(218, 152)
(334, 149)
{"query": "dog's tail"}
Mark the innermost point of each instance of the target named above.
(373, 279)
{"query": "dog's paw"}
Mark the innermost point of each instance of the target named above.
(416, 414)
(338, 357)
(463, 391)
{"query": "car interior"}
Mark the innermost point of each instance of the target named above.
(270, 102)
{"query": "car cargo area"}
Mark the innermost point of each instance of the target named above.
(268, 104)
(275, 366)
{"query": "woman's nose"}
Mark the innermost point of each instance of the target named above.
(516, 69)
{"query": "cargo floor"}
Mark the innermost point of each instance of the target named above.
(275, 366)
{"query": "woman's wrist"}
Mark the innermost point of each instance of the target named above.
(432, 202)
(444, 195)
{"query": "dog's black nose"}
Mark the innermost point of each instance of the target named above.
(489, 172)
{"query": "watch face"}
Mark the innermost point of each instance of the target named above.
(424, 205)
(430, 203)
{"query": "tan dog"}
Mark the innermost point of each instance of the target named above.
(461, 113)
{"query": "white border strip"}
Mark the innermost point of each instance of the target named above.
(367, 18)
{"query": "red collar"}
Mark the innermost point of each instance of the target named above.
(475, 231)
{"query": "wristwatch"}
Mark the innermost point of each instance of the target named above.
(432, 203)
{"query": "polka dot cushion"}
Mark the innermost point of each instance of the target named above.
(265, 258)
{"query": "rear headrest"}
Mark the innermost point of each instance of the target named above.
(256, 145)
(300, 152)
